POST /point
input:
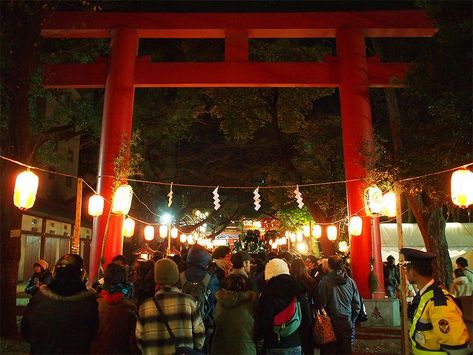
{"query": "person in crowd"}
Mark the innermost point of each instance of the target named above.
(461, 286)
(288, 257)
(157, 255)
(41, 276)
(322, 270)
(279, 292)
(183, 264)
(307, 293)
(117, 315)
(338, 294)
(234, 318)
(241, 265)
(144, 286)
(62, 317)
(392, 277)
(169, 308)
(311, 263)
(119, 260)
(436, 325)
(462, 264)
(197, 280)
(221, 263)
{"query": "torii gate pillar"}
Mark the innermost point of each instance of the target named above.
(116, 129)
(357, 134)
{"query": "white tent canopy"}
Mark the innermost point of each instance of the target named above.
(459, 238)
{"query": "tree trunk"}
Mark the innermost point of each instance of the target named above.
(443, 265)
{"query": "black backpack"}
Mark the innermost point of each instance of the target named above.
(201, 292)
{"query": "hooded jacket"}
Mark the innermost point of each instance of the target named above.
(339, 295)
(461, 287)
(60, 319)
(277, 294)
(234, 323)
(198, 260)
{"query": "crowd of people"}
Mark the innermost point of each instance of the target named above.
(192, 303)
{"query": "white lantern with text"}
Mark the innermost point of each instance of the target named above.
(332, 232)
(355, 226)
(174, 232)
(317, 231)
(389, 204)
(462, 188)
(373, 201)
(128, 227)
(96, 203)
(149, 233)
(26, 187)
(121, 202)
(163, 231)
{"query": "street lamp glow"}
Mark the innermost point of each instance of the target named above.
(166, 218)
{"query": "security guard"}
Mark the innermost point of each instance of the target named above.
(437, 326)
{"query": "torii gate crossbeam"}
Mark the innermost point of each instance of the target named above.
(351, 71)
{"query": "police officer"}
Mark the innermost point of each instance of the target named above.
(437, 326)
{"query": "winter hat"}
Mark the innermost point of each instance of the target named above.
(43, 263)
(198, 255)
(275, 267)
(166, 272)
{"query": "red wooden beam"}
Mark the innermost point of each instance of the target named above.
(411, 23)
(300, 74)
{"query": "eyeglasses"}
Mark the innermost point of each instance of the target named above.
(406, 264)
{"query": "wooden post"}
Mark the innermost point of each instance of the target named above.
(76, 236)
(400, 243)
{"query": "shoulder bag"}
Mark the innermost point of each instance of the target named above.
(323, 329)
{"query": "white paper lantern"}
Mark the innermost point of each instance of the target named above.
(355, 226)
(343, 246)
(96, 203)
(163, 231)
(174, 232)
(462, 188)
(389, 204)
(332, 232)
(317, 231)
(306, 231)
(149, 233)
(121, 203)
(26, 187)
(128, 227)
(373, 201)
(299, 236)
(183, 238)
(190, 239)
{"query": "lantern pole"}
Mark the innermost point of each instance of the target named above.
(400, 242)
(76, 236)
(169, 240)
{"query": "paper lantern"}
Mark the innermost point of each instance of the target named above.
(462, 188)
(183, 238)
(128, 227)
(95, 207)
(283, 241)
(174, 232)
(317, 231)
(26, 187)
(299, 236)
(121, 203)
(149, 233)
(302, 247)
(355, 226)
(389, 204)
(293, 237)
(306, 231)
(163, 231)
(373, 201)
(190, 240)
(343, 246)
(332, 232)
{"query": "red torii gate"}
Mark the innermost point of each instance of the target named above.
(352, 72)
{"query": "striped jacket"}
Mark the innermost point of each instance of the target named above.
(183, 317)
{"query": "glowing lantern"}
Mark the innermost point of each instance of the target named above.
(163, 231)
(317, 231)
(190, 240)
(373, 201)
(95, 208)
(26, 186)
(299, 236)
(174, 232)
(306, 231)
(274, 245)
(343, 246)
(389, 204)
(332, 232)
(283, 241)
(287, 234)
(462, 188)
(293, 237)
(302, 247)
(121, 203)
(356, 226)
(149, 233)
(183, 238)
(128, 227)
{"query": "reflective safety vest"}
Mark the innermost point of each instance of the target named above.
(437, 326)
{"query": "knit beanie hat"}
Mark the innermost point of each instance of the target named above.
(43, 263)
(166, 272)
(275, 267)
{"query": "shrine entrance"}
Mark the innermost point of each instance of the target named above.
(351, 72)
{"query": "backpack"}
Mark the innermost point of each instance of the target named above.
(201, 292)
(288, 320)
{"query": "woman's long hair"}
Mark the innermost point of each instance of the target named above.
(300, 273)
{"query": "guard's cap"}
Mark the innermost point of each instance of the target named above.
(417, 256)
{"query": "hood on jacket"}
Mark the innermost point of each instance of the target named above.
(199, 256)
(337, 277)
(48, 293)
(232, 299)
(282, 286)
(461, 280)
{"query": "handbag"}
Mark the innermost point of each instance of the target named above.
(323, 329)
(180, 350)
